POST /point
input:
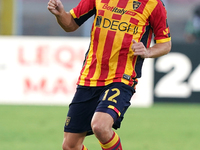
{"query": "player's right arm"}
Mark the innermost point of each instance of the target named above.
(64, 19)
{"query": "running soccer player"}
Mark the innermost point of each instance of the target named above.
(120, 41)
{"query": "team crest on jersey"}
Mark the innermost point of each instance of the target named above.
(136, 5)
(67, 120)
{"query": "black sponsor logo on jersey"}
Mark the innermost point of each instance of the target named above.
(116, 25)
(136, 5)
(98, 22)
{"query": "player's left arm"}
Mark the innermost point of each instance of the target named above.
(155, 51)
(158, 21)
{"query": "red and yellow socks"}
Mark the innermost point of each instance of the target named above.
(84, 148)
(113, 144)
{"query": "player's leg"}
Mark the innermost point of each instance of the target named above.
(102, 127)
(73, 141)
(109, 113)
(78, 121)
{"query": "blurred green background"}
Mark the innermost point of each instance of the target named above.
(161, 127)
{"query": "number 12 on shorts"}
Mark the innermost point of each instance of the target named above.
(112, 97)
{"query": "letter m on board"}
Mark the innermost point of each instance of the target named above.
(98, 22)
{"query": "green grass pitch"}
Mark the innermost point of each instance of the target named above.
(160, 127)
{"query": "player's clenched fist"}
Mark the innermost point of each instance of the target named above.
(55, 7)
(139, 49)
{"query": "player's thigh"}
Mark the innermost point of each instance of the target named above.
(115, 101)
(73, 140)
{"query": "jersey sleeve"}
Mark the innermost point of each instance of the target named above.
(84, 10)
(158, 21)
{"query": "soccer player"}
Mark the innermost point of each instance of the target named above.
(120, 41)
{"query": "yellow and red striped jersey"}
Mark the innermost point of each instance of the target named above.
(110, 57)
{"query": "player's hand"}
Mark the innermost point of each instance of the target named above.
(139, 49)
(55, 7)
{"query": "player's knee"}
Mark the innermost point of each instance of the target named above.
(96, 128)
(99, 128)
(66, 146)
(101, 123)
